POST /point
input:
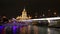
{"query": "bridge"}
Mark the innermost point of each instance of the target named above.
(50, 20)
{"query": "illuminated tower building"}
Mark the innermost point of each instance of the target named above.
(23, 16)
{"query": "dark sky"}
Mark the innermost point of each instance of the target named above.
(13, 8)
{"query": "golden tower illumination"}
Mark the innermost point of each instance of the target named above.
(23, 16)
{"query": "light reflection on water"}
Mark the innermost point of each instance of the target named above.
(29, 29)
(53, 31)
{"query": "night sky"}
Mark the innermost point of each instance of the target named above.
(13, 8)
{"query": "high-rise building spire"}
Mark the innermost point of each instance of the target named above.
(24, 9)
(24, 13)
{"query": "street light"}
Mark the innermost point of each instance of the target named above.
(54, 13)
(43, 15)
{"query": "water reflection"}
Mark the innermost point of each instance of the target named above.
(53, 31)
(29, 29)
(35, 29)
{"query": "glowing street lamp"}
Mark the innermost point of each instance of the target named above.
(43, 15)
(54, 13)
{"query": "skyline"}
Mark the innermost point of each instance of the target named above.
(13, 8)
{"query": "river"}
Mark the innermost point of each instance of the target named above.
(28, 29)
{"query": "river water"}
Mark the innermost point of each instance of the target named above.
(28, 29)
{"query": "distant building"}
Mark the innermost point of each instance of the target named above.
(23, 16)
